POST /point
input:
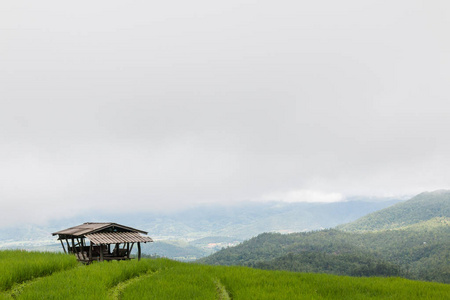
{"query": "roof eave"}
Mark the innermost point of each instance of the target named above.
(62, 232)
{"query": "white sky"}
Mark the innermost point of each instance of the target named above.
(162, 104)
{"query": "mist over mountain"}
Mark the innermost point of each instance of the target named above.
(202, 230)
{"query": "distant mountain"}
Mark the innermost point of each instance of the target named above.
(421, 208)
(415, 244)
(192, 233)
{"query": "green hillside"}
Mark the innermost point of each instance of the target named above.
(419, 252)
(421, 208)
(415, 243)
(166, 279)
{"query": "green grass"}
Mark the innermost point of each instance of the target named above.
(245, 283)
(95, 281)
(189, 281)
(18, 266)
(182, 281)
(166, 279)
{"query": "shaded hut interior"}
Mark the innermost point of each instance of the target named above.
(101, 241)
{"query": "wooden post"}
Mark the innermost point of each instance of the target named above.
(62, 244)
(117, 250)
(68, 247)
(139, 250)
(82, 248)
(90, 251)
(73, 246)
(101, 252)
(128, 250)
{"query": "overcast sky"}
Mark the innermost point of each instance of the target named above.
(163, 104)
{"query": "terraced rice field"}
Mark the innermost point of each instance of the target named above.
(31, 275)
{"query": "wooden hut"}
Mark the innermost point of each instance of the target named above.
(101, 241)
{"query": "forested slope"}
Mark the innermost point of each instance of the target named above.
(419, 249)
(422, 207)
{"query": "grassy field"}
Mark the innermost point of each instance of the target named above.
(19, 266)
(32, 275)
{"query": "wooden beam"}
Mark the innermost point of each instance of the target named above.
(128, 250)
(139, 250)
(74, 250)
(68, 247)
(90, 251)
(82, 248)
(62, 244)
(101, 252)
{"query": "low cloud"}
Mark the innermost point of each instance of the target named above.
(160, 106)
(308, 196)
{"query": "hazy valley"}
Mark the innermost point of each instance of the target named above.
(194, 233)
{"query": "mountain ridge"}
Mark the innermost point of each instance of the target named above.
(419, 249)
(422, 207)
